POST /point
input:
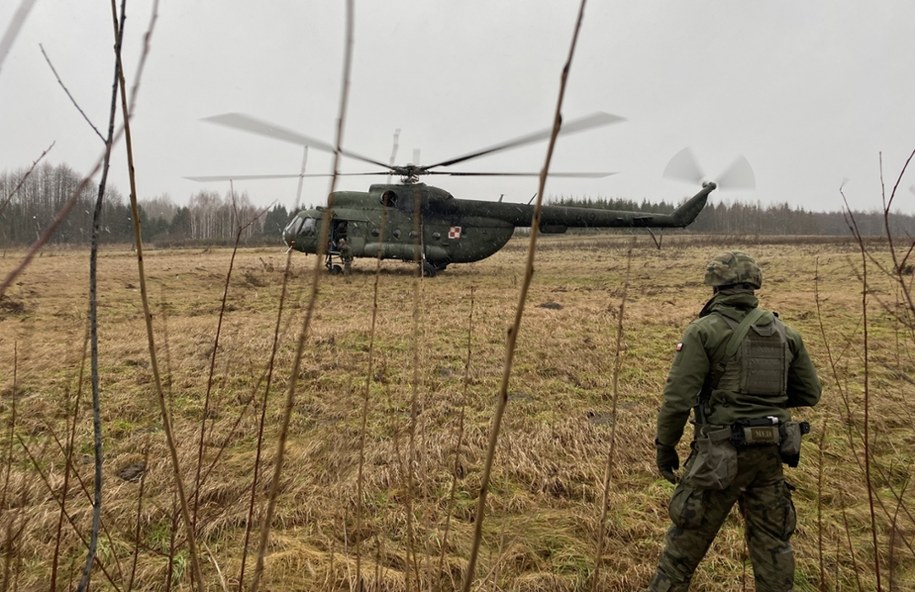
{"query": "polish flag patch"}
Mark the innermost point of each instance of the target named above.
(454, 232)
(680, 346)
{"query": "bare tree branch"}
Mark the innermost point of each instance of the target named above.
(19, 185)
(70, 96)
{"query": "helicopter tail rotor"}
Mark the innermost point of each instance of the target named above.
(739, 175)
(684, 167)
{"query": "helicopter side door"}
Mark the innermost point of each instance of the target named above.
(355, 227)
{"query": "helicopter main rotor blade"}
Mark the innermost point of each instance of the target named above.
(684, 167)
(585, 123)
(282, 176)
(552, 174)
(738, 175)
(246, 123)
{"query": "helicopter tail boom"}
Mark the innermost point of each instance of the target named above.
(561, 217)
(685, 214)
(681, 217)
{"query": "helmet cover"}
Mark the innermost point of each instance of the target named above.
(733, 267)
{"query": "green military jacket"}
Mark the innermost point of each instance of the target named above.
(693, 364)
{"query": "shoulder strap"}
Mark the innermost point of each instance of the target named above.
(741, 331)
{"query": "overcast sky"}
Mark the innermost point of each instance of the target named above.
(810, 92)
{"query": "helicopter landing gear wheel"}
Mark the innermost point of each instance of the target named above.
(429, 270)
(336, 270)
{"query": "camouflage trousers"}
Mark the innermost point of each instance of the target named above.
(697, 514)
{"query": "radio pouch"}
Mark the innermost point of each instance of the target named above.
(790, 448)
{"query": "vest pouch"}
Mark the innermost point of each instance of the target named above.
(714, 461)
(790, 447)
(791, 439)
(764, 361)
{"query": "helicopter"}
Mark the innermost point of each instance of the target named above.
(415, 222)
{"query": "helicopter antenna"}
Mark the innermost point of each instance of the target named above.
(531, 199)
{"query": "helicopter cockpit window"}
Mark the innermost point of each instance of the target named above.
(389, 199)
(292, 229)
(309, 227)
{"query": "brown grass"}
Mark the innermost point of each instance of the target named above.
(542, 520)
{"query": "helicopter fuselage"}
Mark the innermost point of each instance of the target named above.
(381, 222)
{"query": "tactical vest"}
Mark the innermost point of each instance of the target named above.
(759, 366)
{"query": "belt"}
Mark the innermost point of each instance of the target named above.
(756, 432)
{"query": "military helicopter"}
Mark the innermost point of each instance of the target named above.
(415, 222)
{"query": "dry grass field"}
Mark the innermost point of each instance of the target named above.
(409, 407)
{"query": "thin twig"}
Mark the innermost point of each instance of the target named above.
(21, 182)
(36, 464)
(866, 354)
(519, 313)
(70, 96)
(851, 546)
(201, 443)
(458, 438)
(13, 28)
(263, 419)
(68, 458)
(147, 314)
(820, 474)
(608, 469)
(139, 521)
(7, 543)
(93, 295)
(309, 313)
(412, 569)
(369, 373)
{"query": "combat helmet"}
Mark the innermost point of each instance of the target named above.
(733, 267)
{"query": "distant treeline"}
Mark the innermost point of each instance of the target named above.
(29, 203)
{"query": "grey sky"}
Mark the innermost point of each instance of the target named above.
(810, 92)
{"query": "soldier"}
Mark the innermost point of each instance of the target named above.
(346, 253)
(740, 369)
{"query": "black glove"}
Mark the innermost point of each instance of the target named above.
(668, 461)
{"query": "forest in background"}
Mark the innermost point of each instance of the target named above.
(29, 201)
